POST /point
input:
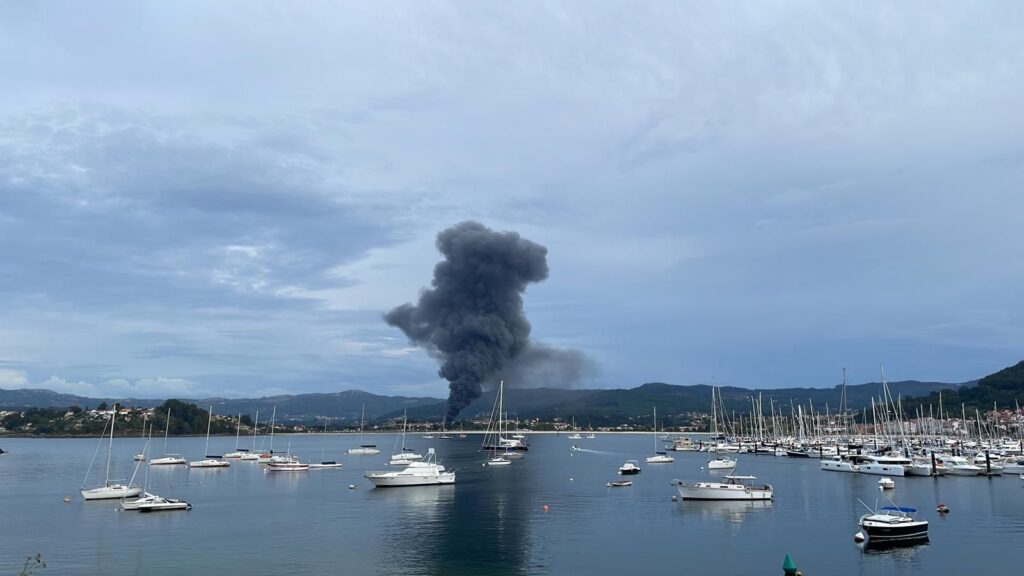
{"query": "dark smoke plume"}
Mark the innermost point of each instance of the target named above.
(472, 318)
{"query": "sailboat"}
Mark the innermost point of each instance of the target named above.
(494, 441)
(151, 502)
(167, 459)
(239, 452)
(660, 457)
(405, 455)
(575, 433)
(209, 461)
(109, 489)
(364, 449)
(324, 463)
(252, 454)
(141, 456)
(266, 457)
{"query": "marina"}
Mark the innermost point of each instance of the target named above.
(318, 523)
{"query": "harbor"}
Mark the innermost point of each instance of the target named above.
(516, 519)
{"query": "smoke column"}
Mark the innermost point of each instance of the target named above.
(472, 317)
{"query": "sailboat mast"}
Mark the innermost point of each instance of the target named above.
(110, 445)
(167, 428)
(255, 429)
(209, 421)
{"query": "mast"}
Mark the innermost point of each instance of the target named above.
(209, 421)
(238, 430)
(110, 445)
(167, 428)
(273, 418)
(255, 429)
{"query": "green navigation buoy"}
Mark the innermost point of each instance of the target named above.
(788, 566)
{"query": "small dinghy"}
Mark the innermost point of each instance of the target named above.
(619, 483)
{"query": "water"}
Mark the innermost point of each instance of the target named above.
(247, 521)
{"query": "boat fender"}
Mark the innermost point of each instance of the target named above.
(859, 537)
(545, 507)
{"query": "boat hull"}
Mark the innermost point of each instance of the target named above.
(894, 532)
(883, 469)
(111, 492)
(719, 491)
(833, 466)
(399, 480)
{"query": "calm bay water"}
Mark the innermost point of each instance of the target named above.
(492, 521)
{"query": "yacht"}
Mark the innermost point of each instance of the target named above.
(883, 465)
(363, 449)
(923, 467)
(959, 466)
(209, 461)
(893, 524)
(289, 465)
(721, 464)
(733, 488)
(109, 489)
(163, 505)
(660, 456)
(683, 444)
(425, 473)
(630, 467)
(838, 464)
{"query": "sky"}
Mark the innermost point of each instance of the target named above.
(224, 198)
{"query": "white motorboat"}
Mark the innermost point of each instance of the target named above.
(732, 488)
(209, 461)
(164, 505)
(629, 468)
(683, 444)
(497, 461)
(425, 473)
(886, 484)
(109, 489)
(134, 504)
(959, 466)
(883, 465)
(168, 460)
(893, 524)
(721, 464)
(291, 465)
(1014, 466)
(838, 464)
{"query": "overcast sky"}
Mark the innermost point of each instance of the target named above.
(223, 198)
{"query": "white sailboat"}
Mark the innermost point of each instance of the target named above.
(405, 455)
(152, 502)
(324, 464)
(167, 459)
(141, 456)
(252, 454)
(109, 490)
(502, 449)
(575, 433)
(209, 461)
(660, 457)
(239, 452)
(364, 449)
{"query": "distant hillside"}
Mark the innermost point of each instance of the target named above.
(1004, 389)
(589, 407)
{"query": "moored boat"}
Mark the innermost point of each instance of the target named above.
(732, 488)
(891, 524)
(425, 473)
(629, 468)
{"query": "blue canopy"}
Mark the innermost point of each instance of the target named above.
(899, 508)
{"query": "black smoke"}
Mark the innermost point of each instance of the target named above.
(472, 317)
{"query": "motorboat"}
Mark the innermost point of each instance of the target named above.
(134, 504)
(838, 464)
(924, 467)
(630, 467)
(883, 465)
(292, 465)
(619, 483)
(164, 505)
(168, 460)
(425, 473)
(683, 444)
(721, 464)
(731, 488)
(324, 465)
(893, 524)
(886, 484)
(497, 461)
(959, 466)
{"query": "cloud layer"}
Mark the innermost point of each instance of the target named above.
(224, 199)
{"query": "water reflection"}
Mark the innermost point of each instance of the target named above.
(731, 511)
(896, 550)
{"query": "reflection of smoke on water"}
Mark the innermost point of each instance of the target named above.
(477, 526)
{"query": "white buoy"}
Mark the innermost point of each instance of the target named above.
(674, 498)
(859, 537)
(351, 486)
(570, 479)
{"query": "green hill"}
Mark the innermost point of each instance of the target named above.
(1004, 389)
